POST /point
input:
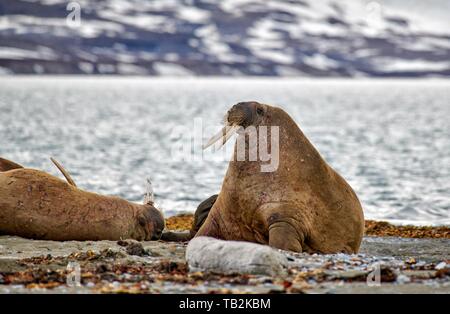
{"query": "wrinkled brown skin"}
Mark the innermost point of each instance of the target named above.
(303, 206)
(37, 205)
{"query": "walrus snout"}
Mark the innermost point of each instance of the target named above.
(242, 114)
(153, 223)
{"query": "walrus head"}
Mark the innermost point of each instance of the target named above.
(151, 219)
(240, 116)
(246, 113)
(151, 222)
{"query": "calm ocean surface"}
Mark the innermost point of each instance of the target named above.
(390, 139)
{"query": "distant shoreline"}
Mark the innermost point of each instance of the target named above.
(430, 78)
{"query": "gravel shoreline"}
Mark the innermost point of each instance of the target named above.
(392, 264)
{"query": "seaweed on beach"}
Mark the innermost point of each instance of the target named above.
(373, 228)
(385, 229)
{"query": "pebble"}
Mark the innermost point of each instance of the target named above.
(441, 265)
(115, 284)
(136, 248)
(402, 279)
(349, 274)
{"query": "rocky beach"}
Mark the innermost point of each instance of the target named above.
(392, 259)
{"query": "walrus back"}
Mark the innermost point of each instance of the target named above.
(34, 204)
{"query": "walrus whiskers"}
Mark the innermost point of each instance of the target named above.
(63, 171)
(233, 122)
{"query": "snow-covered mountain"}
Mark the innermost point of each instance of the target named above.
(226, 37)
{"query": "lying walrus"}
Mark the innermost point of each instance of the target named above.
(302, 205)
(37, 205)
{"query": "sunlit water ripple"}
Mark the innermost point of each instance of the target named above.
(389, 139)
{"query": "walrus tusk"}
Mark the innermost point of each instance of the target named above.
(6, 165)
(223, 135)
(63, 171)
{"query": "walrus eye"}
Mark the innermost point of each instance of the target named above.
(259, 111)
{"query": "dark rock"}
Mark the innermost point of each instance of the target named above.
(122, 243)
(136, 248)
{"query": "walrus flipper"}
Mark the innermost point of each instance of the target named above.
(202, 213)
(176, 236)
(6, 165)
(285, 232)
(284, 236)
(64, 172)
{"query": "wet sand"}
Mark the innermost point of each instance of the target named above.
(419, 263)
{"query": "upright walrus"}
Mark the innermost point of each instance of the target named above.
(303, 205)
(37, 205)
